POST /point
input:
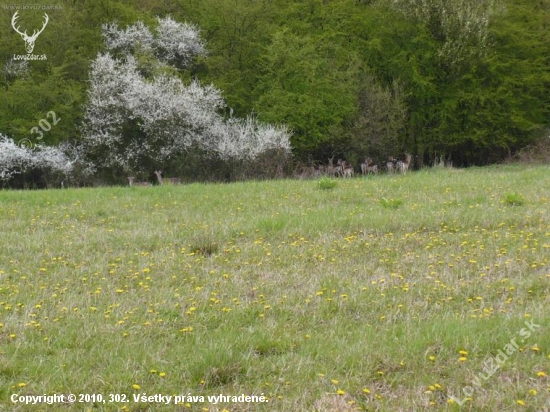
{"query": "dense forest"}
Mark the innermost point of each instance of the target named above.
(465, 80)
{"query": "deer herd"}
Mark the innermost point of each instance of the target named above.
(344, 169)
(341, 169)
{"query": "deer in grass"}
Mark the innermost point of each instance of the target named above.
(172, 180)
(368, 167)
(331, 169)
(29, 40)
(403, 167)
(347, 169)
(390, 164)
(364, 166)
(132, 182)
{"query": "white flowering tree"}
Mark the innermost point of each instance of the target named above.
(136, 116)
(18, 160)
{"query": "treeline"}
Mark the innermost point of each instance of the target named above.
(465, 80)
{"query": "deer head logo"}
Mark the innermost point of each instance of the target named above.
(29, 40)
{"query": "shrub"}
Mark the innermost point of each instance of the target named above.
(326, 183)
(514, 199)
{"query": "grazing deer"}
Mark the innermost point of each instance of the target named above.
(29, 40)
(172, 180)
(132, 182)
(347, 169)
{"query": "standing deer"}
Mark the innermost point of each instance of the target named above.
(403, 167)
(340, 168)
(369, 167)
(172, 180)
(331, 169)
(29, 40)
(364, 166)
(390, 164)
(347, 169)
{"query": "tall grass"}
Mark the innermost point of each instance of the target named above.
(328, 300)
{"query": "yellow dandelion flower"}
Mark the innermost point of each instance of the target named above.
(462, 359)
(340, 392)
(21, 384)
(432, 358)
(136, 387)
(541, 374)
(366, 390)
(334, 381)
(520, 402)
(533, 392)
(463, 352)
(153, 371)
(162, 374)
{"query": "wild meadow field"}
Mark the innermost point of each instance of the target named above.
(429, 291)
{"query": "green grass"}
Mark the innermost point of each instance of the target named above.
(321, 300)
(514, 199)
(326, 183)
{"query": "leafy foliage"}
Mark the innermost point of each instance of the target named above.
(468, 80)
(134, 120)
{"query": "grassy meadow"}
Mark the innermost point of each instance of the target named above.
(387, 293)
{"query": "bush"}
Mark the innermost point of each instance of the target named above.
(326, 183)
(514, 199)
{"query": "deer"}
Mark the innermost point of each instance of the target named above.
(368, 166)
(347, 169)
(390, 164)
(132, 182)
(403, 167)
(364, 166)
(172, 180)
(340, 167)
(331, 169)
(29, 40)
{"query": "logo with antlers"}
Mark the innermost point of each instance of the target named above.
(29, 40)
